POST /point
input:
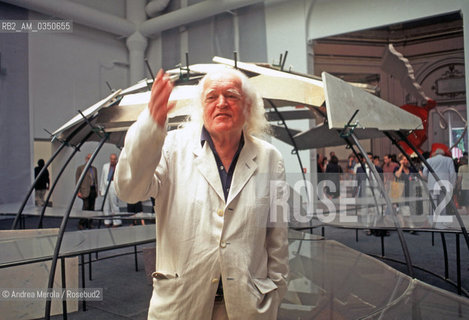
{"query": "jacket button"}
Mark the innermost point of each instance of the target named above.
(215, 280)
(223, 244)
(220, 212)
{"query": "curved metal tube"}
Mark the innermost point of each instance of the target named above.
(389, 205)
(64, 224)
(364, 170)
(442, 234)
(430, 169)
(56, 153)
(23, 204)
(41, 217)
(295, 148)
(105, 196)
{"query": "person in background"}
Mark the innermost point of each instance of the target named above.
(111, 204)
(333, 174)
(136, 208)
(388, 170)
(351, 162)
(463, 184)
(88, 191)
(444, 169)
(42, 184)
(377, 162)
(405, 173)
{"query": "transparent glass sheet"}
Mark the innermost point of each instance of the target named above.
(423, 301)
(331, 281)
(74, 243)
(351, 201)
(56, 211)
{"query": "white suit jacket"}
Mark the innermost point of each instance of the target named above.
(200, 237)
(444, 169)
(104, 176)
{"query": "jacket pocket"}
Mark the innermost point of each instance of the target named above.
(165, 285)
(265, 285)
(164, 275)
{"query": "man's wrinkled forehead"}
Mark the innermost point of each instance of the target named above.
(229, 81)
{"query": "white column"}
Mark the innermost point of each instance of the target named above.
(136, 43)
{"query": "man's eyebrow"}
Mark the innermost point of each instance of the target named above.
(235, 91)
(208, 91)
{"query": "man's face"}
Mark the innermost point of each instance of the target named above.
(405, 162)
(113, 159)
(88, 157)
(223, 102)
(386, 160)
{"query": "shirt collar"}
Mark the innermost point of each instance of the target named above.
(205, 136)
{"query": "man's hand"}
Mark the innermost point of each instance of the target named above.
(160, 92)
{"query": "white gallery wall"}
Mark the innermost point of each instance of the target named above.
(15, 124)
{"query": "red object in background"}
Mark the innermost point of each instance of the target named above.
(418, 137)
(441, 146)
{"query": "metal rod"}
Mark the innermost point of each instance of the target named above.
(389, 205)
(105, 197)
(109, 86)
(284, 60)
(395, 142)
(382, 246)
(51, 190)
(443, 239)
(23, 204)
(458, 263)
(363, 167)
(149, 69)
(83, 279)
(56, 153)
(445, 253)
(90, 275)
(64, 224)
(64, 286)
(430, 169)
(136, 259)
(187, 66)
(295, 147)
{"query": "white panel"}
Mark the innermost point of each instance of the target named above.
(342, 100)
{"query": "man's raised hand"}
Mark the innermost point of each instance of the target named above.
(160, 92)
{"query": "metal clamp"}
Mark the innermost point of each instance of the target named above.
(349, 127)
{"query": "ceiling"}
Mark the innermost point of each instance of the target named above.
(438, 27)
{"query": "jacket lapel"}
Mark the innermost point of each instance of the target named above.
(245, 168)
(206, 164)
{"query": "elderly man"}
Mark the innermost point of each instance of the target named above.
(218, 255)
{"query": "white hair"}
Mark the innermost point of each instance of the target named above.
(256, 123)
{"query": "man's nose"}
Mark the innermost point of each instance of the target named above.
(221, 101)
